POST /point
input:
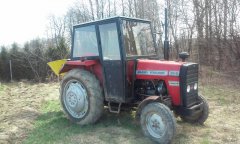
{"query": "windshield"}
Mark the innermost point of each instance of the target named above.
(138, 39)
(85, 42)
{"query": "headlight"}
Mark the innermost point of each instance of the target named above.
(188, 88)
(195, 86)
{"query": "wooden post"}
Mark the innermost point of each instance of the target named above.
(10, 65)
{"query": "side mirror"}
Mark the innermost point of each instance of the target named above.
(183, 56)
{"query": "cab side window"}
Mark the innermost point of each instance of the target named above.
(109, 41)
(85, 42)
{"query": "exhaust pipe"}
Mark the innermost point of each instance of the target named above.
(166, 42)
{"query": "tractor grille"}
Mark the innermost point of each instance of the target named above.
(189, 76)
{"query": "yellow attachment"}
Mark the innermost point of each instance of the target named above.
(57, 65)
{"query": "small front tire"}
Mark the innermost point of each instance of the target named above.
(158, 123)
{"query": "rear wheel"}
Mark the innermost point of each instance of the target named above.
(200, 118)
(81, 97)
(158, 123)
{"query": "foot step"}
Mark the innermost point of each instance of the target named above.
(114, 110)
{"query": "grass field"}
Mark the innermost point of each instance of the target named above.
(31, 113)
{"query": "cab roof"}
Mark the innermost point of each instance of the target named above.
(111, 19)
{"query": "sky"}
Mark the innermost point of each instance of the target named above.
(24, 20)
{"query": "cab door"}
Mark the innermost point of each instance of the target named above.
(112, 62)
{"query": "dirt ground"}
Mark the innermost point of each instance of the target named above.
(19, 107)
(20, 104)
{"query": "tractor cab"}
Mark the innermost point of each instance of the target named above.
(117, 43)
(115, 38)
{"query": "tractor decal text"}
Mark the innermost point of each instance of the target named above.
(152, 72)
(173, 73)
(173, 83)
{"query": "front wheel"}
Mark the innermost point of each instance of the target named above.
(158, 123)
(200, 118)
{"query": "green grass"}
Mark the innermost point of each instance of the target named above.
(205, 140)
(1, 87)
(53, 127)
(221, 94)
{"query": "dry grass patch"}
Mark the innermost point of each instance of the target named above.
(19, 108)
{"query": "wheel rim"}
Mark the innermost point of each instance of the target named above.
(155, 125)
(75, 99)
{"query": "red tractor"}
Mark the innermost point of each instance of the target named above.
(114, 63)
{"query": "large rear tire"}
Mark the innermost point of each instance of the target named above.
(81, 97)
(200, 118)
(158, 123)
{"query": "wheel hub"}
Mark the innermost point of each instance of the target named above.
(75, 100)
(155, 125)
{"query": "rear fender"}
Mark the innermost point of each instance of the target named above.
(69, 65)
(93, 66)
(60, 67)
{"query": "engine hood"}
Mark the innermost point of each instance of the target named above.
(158, 68)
